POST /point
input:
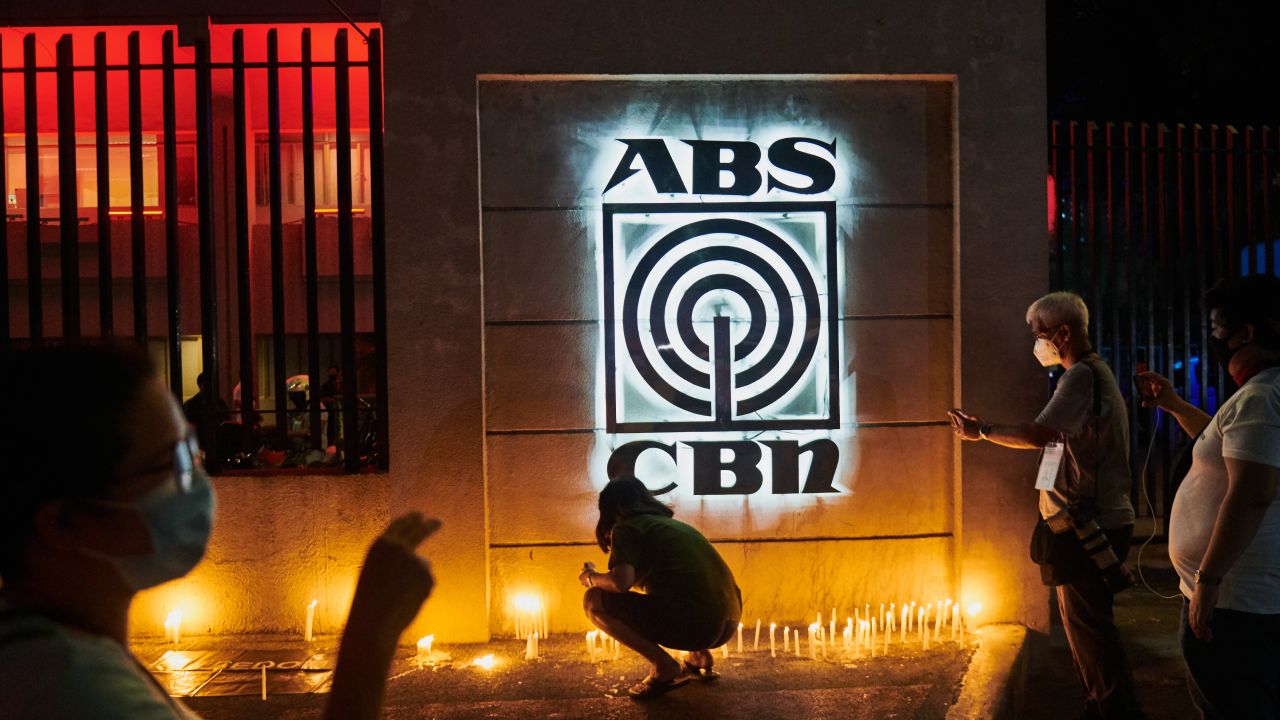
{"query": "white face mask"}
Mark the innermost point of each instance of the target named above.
(1046, 352)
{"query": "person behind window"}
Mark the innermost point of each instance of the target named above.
(99, 504)
(330, 394)
(1224, 528)
(690, 600)
(203, 412)
(1087, 520)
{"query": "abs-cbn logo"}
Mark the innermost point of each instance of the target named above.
(719, 309)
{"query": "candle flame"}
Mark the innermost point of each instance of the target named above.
(485, 662)
(974, 609)
(527, 602)
(424, 642)
(174, 617)
(313, 603)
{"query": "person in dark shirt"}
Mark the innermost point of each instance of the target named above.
(202, 413)
(689, 601)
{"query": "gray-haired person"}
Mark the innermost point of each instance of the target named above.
(1087, 518)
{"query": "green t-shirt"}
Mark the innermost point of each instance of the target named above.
(674, 561)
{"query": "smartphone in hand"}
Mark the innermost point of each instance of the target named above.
(1143, 387)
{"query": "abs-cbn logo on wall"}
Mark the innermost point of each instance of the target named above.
(719, 290)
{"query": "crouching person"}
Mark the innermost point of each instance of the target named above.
(689, 600)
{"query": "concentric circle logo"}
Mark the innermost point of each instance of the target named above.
(717, 316)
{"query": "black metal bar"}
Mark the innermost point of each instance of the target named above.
(193, 66)
(1150, 221)
(1216, 170)
(1267, 149)
(4, 226)
(1251, 227)
(208, 266)
(1186, 232)
(172, 251)
(136, 218)
(35, 283)
(1056, 247)
(68, 208)
(346, 257)
(1168, 217)
(309, 240)
(244, 278)
(102, 155)
(1075, 151)
(1114, 277)
(277, 237)
(1203, 230)
(1096, 232)
(377, 218)
(1234, 168)
(1134, 297)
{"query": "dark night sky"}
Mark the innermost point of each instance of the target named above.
(1176, 61)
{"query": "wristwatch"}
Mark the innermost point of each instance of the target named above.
(983, 430)
(1201, 577)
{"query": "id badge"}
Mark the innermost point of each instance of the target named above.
(1050, 461)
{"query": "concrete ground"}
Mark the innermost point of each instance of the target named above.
(1149, 625)
(906, 684)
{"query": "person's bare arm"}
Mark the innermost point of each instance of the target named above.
(393, 584)
(1251, 489)
(618, 580)
(1031, 436)
(1192, 419)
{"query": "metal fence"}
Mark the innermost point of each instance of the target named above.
(187, 87)
(1143, 218)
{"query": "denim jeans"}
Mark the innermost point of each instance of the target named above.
(1235, 676)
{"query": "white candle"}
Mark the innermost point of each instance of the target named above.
(813, 641)
(848, 634)
(424, 648)
(955, 620)
(617, 649)
(739, 638)
(173, 626)
(311, 616)
(891, 619)
(264, 682)
(786, 639)
(591, 644)
(724, 651)
(939, 617)
(874, 622)
(773, 648)
(888, 633)
(920, 622)
(796, 638)
(756, 645)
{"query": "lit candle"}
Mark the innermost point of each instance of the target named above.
(530, 646)
(813, 641)
(311, 616)
(424, 648)
(890, 618)
(906, 620)
(874, 622)
(955, 621)
(591, 644)
(786, 639)
(888, 633)
(848, 634)
(173, 626)
(724, 651)
(920, 622)
(795, 637)
(939, 617)
(617, 649)
(756, 645)
(739, 638)
(773, 648)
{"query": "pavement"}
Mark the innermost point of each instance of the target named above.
(908, 683)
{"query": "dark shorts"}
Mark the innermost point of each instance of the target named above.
(669, 622)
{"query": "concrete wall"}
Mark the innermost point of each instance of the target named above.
(442, 293)
(280, 539)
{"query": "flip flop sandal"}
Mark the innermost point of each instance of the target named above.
(650, 688)
(705, 674)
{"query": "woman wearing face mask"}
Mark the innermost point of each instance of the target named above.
(105, 498)
(1224, 528)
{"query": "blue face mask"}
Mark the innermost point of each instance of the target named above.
(179, 518)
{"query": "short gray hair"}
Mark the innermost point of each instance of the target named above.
(1060, 308)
